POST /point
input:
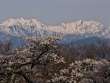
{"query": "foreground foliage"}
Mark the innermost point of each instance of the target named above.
(42, 62)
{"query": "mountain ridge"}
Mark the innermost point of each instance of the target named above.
(21, 28)
(33, 25)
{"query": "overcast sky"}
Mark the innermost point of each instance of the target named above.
(55, 11)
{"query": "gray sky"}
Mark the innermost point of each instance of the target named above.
(55, 11)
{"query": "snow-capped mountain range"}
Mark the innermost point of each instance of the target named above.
(33, 27)
(24, 28)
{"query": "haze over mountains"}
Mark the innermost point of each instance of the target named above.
(18, 29)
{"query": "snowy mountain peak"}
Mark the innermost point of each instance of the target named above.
(21, 22)
(79, 27)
